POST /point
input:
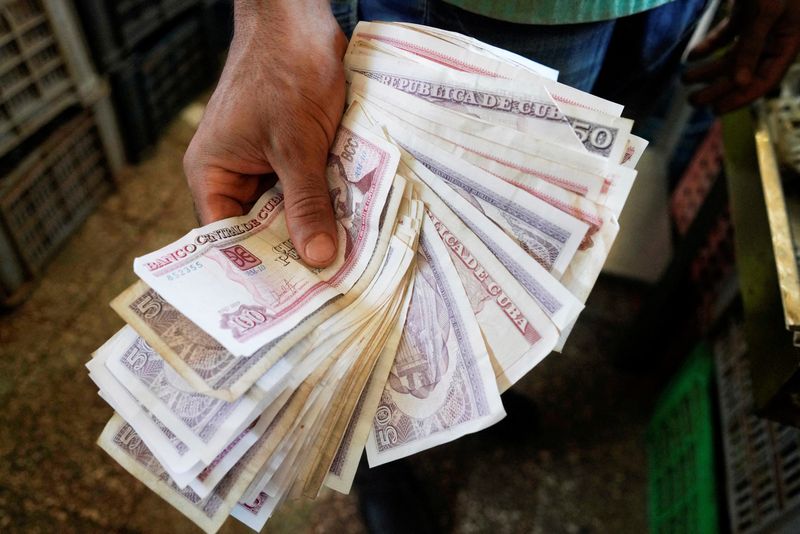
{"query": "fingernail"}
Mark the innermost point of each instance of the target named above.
(742, 76)
(320, 248)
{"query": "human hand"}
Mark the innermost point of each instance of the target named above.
(276, 109)
(765, 39)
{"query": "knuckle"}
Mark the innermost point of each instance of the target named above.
(308, 207)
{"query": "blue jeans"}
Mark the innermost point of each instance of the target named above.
(628, 60)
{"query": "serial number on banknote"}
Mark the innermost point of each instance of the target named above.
(183, 271)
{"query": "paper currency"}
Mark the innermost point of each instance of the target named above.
(584, 174)
(441, 385)
(546, 233)
(251, 273)
(476, 200)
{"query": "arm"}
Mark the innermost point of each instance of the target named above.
(765, 38)
(276, 109)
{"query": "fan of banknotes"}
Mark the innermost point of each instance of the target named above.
(476, 201)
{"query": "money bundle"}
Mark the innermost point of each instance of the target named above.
(476, 200)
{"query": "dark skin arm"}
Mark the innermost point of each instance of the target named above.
(747, 54)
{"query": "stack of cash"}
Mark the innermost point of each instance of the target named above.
(476, 201)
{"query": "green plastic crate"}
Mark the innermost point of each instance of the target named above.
(680, 451)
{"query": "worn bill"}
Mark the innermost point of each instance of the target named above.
(502, 102)
(589, 176)
(546, 233)
(552, 297)
(470, 59)
(352, 385)
(180, 462)
(122, 443)
(241, 280)
(204, 424)
(211, 475)
(533, 112)
(343, 468)
(517, 332)
(203, 362)
(441, 385)
(585, 266)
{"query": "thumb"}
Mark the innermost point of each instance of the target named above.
(309, 214)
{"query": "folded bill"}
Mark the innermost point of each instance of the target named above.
(255, 288)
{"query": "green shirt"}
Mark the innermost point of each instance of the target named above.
(556, 11)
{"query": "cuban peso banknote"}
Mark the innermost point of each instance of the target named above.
(589, 176)
(242, 281)
(441, 385)
(429, 47)
(572, 127)
(205, 425)
(546, 233)
(122, 443)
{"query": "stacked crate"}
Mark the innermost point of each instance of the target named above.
(158, 55)
(680, 452)
(59, 142)
(762, 458)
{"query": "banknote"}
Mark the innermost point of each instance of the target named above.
(211, 475)
(517, 332)
(595, 121)
(429, 47)
(357, 361)
(589, 176)
(546, 233)
(172, 453)
(470, 43)
(206, 425)
(202, 361)
(348, 349)
(585, 266)
(533, 111)
(198, 358)
(552, 297)
(122, 443)
(502, 102)
(476, 199)
(242, 281)
(343, 468)
(334, 430)
(441, 385)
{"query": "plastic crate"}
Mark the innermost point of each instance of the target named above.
(153, 86)
(116, 28)
(35, 80)
(680, 451)
(762, 458)
(49, 194)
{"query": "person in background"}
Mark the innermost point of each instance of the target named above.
(281, 94)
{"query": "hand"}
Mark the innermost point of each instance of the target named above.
(766, 39)
(276, 109)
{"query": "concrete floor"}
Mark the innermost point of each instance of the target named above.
(576, 464)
